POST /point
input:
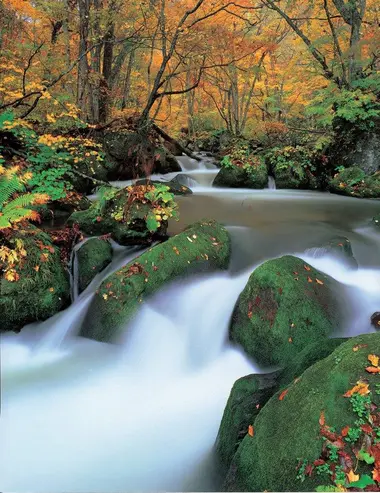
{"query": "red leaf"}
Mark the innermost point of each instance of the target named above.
(251, 431)
(283, 394)
(345, 431)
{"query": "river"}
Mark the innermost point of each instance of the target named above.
(83, 416)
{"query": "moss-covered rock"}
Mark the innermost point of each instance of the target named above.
(204, 245)
(286, 305)
(254, 176)
(175, 187)
(247, 397)
(287, 431)
(355, 183)
(338, 247)
(92, 257)
(113, 214)
(42, 288)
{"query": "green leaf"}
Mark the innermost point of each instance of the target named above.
(327, 488)
(151, 223)
(366, 457)
(363, 482)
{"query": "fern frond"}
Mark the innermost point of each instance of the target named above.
(9, 186)
(24, 200)
(4, 222)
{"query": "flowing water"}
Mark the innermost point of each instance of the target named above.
(83, 416)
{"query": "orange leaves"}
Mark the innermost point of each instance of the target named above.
(11, 275)
(251, 431)
(345, 431)
(374, 360)
(360, 388)
(352, 477)
(359, 346)
(319, 282)
(322, 419)
(306, 267)
(283, 394)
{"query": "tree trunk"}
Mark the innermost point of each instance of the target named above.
(107, 67)
(84, 15)
(127, 80)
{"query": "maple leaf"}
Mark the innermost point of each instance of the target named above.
(36, 268)
(360, 388)
(352, 477)
(373, 359)
(309, 279)
(283, 394)
(373, 369)
(251, 431)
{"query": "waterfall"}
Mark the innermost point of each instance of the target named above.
(271, 183)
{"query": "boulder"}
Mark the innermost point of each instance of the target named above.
(92, 257)
(185, 180)
(42, 286)
(204, 245)
(285, 306)
(255, 177)
(355, 183)
(338, 247)
(175, 187)
(311, 420)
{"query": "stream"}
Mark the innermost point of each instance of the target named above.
(83, 416)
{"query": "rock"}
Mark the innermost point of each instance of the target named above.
(203, 245)
(285, 306)
(185, 180)
(355, 183)
(375, 320)
(287, 431)
(255, 177)
(107, 216)
(248, 395)
(92, 257)
(43, 286)
(376, 220)
(338, 247)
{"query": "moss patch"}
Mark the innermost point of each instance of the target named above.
(204, 245)
(285, 306)
(92, 257)
(355, 183)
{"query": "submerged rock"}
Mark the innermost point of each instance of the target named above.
(355, 183)
(204, 245)
(338, 247)
(92, 257)
(287, 431)
(41, 287)
(285, 306)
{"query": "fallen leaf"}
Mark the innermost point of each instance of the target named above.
(36, 268)
(367, 429)
(345, 431)
(306, 267)
(51, 290)
(176, 250)
(283, 394)
(373, 359)
(191, 241)
(309, 279)
(359, 346)
(352, 477)
(250, 431)
(105, 296)
(319, 282)
(376, 475)
(290, 339)
(373, 369)
(360, 388)
(322, 418)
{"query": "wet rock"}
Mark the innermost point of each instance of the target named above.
(375, 320)
(376, 221)
(174, 187)
(204, 245)
(185, 180)
(42, 288)
(338, 247)
(255, 177)
(92, 257)
(287, 429)
(285, 306)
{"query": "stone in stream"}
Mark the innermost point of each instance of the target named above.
(203, 245)
(239, 177)
(375, 320)
(355, 183)
(92, 257)
(175, 186)
(285, 306)
(376, 220)
(338, 247)
(288, 430)
(249, 394)
(41, 285)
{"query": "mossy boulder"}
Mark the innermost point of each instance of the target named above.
(355, 183)
(204, 245)
(286, 305)
(338, 247)
(175, 187)
(92, 257)
(43, 286)
(255, 177)
(126, 224)
(247, 397)
(287, 431)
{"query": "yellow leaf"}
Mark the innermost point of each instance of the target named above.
(360, 388)
(352, 477)
(105, 296)
(373, 359)
(318, 281)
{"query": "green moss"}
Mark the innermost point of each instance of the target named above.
(92, 257)
(247, 397)
(253, 176)
(287, 430)
(355, 183)
(43, 287)
(203, 245)
(282, 309)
